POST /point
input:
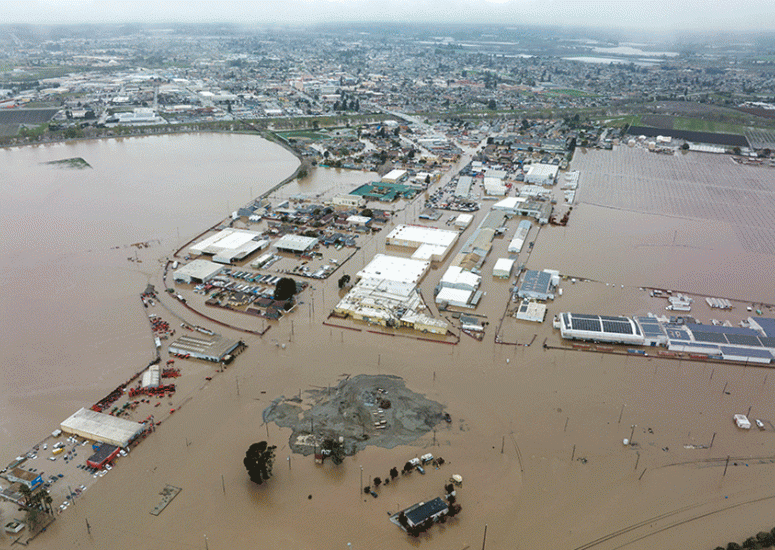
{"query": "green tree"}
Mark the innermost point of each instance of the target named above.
(336, 449)
(258, 461)
(285, 289)
(343, 280)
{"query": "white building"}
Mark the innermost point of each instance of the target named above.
(531, 311)
(516, 244)
(395, 268)
(430, 243)
(494, 186)
(394, 176)
(463, 220)
(503, 268)
(349, 201)
(197, 271)
(296, 244)
(457, 277)
(229, 245)
(541, 174)
(597, 328)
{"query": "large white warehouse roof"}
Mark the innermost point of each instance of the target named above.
(101, 427)
(394, 268)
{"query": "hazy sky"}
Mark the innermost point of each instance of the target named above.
(665, 15)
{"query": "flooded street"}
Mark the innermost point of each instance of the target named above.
(72, 320)
(536, 433)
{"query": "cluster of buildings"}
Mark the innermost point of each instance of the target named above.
(386, 293)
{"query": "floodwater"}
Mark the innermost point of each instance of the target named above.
(536, 434)
(72, 323)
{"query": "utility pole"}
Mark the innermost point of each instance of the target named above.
(88, 527)
(484, 540)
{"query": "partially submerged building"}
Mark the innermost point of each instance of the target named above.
(101, 427)
(295, 244)
(386, 294)
(430, 243)
(542, 174)
(600, 328)
(197, 271)
(539, 285)
(431, 510)
(208, 347)
(230, 245)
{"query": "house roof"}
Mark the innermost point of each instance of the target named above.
(426, 510)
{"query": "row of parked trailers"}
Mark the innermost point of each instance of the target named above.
(254, 277)
(719, 303)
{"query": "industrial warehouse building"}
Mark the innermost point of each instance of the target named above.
(531, 311)
(101, 427)
(463, 220)
(457, 297)
(105, 454)
(212, 348)
(430, 243)
(388, 303)
(295, 244)
(198, 271)
(463, 187)
(395, 268)
(459, 278)
(503, 268)
(395, 176)
(386, 294)
(600, 328)
(539, 285)
(542, 174)
(750, 344)
(229, 245)
(516, 244)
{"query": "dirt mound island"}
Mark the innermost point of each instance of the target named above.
(363, 410)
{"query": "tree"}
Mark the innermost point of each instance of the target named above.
(736, 150)
(377, 482)
(393, 472)
(335, 448)
(285, 289)
(491, 104)
(343, 280)
(685, 146)
(367, 213)
(258, 461)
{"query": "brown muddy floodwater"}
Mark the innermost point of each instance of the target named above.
(72, 322)
(536, 433)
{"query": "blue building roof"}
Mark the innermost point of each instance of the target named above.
(425, 511)
(767, 324)
(721, 329)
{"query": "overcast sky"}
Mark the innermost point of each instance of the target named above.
(664, 15)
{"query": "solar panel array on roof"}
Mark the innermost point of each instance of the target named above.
(609, 318)
(677, 334)
(585, 316)
(720, 329)
(767, 324)
(715, 337)
(617, 327)
(591, 325)
(767, 341)
(743, 339)
(650, 326)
